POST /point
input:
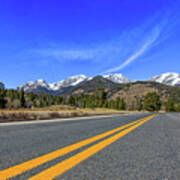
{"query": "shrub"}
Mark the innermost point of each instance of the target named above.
(170, 105)
(152, 102)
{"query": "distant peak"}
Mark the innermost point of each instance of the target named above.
(169, 78)
(71, 81)
(40, 81)
(117, 78)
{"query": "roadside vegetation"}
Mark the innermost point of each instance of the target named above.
(19, 105)
(58, 111)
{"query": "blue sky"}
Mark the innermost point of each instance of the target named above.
(56, 39)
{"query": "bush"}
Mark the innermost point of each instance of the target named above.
(177, 107)
(170, 105)
(152, 102)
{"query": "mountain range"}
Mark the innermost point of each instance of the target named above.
(64, 86)
(81, 83)
(172, 79)
(116, 85)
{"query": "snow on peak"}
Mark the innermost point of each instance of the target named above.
(78, 76)
(41, 82)
(34, 85)
(71, 81)
(169, 78)
(117, 78)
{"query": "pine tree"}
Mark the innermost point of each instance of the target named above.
(139, 105)
(103, 97)
(177, 107)
(152, 102)
(2, 101)
(22, 98)
(122, 104)
(71, 100)
(170, 105)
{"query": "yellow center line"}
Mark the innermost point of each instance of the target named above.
(30, 164)
(69, 163)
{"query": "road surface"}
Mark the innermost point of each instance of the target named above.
(124, 147)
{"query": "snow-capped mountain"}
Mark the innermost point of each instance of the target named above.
(36, 86)
(117, 78)
(44, 87)
(72, 81)
(172, 79)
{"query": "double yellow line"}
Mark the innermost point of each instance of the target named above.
(67, 164)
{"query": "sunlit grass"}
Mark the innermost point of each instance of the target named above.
(53, 112)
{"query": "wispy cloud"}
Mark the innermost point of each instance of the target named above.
(159, 32)
(148, 44)
(70, 55)
(115, 55)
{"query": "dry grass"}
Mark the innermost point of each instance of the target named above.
(52, 113)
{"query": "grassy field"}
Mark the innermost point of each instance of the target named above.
(53, 112)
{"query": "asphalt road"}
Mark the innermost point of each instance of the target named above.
(149, 149)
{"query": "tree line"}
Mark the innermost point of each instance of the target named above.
(13, 99)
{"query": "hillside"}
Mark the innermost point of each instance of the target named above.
(132, 93)
(90, 86)
(80, 84)
(135, 92)
(96, 92)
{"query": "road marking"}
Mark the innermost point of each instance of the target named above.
(69, 163)
(28, 165)
(29, 122)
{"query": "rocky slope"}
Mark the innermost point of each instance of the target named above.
(90, 86)
(117, 78)
(134, 92)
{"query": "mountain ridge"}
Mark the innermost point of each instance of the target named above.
(54, 88)
(169, 78)
(131, 92)
(75, 82)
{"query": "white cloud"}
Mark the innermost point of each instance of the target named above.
(66, 54)
(148, 44)
(125, 49)
(163, 30)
